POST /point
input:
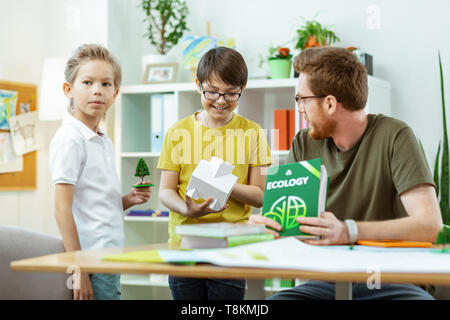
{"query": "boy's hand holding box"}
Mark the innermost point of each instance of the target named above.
(212, 179)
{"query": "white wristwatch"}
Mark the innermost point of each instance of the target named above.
(352, 230)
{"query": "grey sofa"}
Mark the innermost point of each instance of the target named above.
(16, 244)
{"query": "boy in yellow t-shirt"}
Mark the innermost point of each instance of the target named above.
(215, 131)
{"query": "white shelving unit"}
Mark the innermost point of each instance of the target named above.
(132, 141)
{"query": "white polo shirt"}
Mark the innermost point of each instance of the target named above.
(85, 159)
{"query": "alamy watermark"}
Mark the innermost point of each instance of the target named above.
(74, 280)
(73, 21)
(373, 20)
(374, 280)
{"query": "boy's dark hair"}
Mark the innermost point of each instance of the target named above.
(335, 71)
(225, 63)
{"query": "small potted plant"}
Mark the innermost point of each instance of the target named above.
(314, 34)
(166, 23)
(280, 62)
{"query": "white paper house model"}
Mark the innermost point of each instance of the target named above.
(212, 179)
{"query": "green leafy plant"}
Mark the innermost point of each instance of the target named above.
(313, 34)
(166, 22)
(442, 180)
(444, 238)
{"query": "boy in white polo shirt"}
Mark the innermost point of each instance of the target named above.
(88, 201)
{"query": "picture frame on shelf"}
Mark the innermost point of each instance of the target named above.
(160, 73)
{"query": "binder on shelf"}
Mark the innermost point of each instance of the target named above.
(157, 122)
(164, 114)
(280, 123)
(291, 126)
(170, 112)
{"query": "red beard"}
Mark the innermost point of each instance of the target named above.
(323, 128)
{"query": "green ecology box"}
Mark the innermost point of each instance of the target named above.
(295, 190)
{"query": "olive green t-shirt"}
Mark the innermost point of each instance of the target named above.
(366, 181)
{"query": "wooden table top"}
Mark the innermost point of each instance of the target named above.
(90, 261)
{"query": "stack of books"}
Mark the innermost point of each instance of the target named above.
(148, 213)
(220, 235)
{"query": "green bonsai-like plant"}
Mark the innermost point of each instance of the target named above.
(314, 34)
(442, 180)
(142, 171)
(166, 22)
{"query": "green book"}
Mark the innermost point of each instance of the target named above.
(196, 242)
(295, 190)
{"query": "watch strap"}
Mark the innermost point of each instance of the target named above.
(352, 230)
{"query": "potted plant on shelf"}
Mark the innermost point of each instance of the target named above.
(313, 34)
(166, 20)
(280, 61)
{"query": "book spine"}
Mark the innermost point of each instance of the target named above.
(249, 238)
(140, 212)
(291, 127)
(148, 213)
(280, 123)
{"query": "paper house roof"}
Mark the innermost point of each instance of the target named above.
(212, 179)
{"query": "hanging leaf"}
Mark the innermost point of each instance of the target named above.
(436, 170)
(445, 175)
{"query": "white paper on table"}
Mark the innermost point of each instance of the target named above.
(290, 253)
(9, 160)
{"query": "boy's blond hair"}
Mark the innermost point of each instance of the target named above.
(90, 52)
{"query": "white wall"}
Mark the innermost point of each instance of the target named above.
(31, 31)
(404, 49)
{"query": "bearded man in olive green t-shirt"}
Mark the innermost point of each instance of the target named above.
(380, 184)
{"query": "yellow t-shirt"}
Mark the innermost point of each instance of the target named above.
(241, 142)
